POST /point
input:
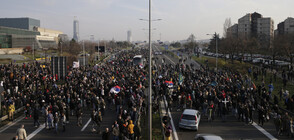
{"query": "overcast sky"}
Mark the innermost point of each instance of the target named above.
(107, 19)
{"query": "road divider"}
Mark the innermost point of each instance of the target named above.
(175, 134)
(86, 125)
(41, 127)
(271, 137)
(11, 124)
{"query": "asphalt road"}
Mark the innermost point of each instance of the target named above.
(72, 130)
(231, 129)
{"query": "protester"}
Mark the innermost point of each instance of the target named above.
(106, 134)
(21, 133)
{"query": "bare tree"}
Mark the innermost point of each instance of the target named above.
(288, 46)
(191, 43)
(227, 25)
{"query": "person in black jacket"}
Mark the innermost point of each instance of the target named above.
(36, 117)
(106, 134)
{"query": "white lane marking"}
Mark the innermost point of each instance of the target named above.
(86, 124)
(11, 124)
(171, 120)
(41, 127)
(271, 137)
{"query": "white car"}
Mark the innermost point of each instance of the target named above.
(207, 137)
(190, 119)
(258, 60)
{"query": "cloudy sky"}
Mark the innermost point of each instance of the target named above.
(107, 19)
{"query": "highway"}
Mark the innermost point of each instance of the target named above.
(231, 129)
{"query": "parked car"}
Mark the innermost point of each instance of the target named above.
(258, 60)
(207, 137)
(190, 119)
(282, 63)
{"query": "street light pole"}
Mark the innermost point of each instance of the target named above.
(84, 53)
(150, 75)
(61, 48)
(216, 51)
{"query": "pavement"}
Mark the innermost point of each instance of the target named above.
(231, 129)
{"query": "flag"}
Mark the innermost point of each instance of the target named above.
(115, 89)
(169, 83)
(181, 79)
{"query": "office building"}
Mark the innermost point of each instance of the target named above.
(48, 37)
(20, 23)
(17, 38)
(32, 36)
(76, 30)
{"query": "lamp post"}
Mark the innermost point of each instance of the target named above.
(216, 54)
(150, 73)
(84, 53)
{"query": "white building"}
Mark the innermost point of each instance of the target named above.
(129, 36)
(47, 37)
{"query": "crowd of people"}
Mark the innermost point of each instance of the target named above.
(86, 89)
(90, 90)
(222, 92)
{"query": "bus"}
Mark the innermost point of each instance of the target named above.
(139, 60)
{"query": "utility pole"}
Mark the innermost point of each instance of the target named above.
(150, 76)
(84, 53)
(33, 51)
(216, 50)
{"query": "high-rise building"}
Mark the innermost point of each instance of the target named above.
(265, 31)
(254, 25)
(265, 26)
(281, 28)
(233, 30)
(20, 23)
(286, 27)
(129, 36)
(289, 25)
(76, 30)
(244, 25)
